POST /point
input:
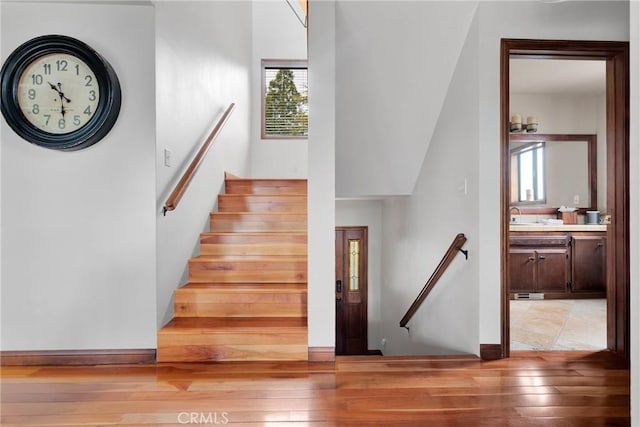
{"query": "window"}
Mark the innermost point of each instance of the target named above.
(528, 161)
(285, 109)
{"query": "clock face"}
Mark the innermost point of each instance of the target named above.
(58, 93)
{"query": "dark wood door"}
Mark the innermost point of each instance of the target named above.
(589, 272)
(351, 290)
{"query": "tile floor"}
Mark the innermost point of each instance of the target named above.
(559, 324)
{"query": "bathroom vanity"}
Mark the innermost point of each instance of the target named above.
(559, 261)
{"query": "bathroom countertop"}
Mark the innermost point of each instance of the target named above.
(558, 227)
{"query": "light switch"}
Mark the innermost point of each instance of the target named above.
(167, 157)
(462, 189)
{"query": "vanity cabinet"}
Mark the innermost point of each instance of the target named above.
(539, 264)
(558, 264)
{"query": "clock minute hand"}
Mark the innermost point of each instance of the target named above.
(62, 97)
(58, 89)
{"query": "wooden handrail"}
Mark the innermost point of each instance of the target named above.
(183, 184)
(456, 246)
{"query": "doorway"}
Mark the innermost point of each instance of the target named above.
(615, 55)
(351, 290)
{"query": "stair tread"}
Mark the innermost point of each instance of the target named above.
(211, 324)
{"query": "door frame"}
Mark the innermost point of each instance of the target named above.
(616, 55)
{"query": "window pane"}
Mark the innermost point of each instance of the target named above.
(540, 174)
(285, 106)
(526, 176)
(531, 174)
(354, 265)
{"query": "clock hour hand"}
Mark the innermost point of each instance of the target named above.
(58, 89)
(61, 93)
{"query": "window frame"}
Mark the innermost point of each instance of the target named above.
(278, 64)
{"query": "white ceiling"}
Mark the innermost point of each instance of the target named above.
(557, 76)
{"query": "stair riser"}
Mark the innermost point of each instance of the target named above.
(233, 345)
(240, 310)
(232, 353)
(218, 303)
(266, 244)
(265, 187)
(262, 203)
(252, 250)
(202, 296)
(235, 336)
(227, 223)
(208, 276)
(286, 271)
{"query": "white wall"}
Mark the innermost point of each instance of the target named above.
(277, 34)
(394, 60)
(368, 213)
(563, 113)
(321, 187)
(78, 228)
(1, 222)
(203, 52)
(420, 228)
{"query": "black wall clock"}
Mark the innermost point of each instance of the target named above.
(57, 92)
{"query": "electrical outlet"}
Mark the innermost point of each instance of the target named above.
(167, 157)
(576, 199)
(383, 342)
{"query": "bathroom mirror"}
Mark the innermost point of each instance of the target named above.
(553, 170)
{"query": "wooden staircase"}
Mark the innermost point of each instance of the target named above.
(246, 298)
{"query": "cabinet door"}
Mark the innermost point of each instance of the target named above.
(589, 267)
(552, 270)
(521, 270)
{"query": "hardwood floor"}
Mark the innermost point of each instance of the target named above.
(530, 389)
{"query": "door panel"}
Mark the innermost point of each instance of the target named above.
(351, 290)
(552, 270)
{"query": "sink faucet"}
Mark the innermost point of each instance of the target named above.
(513, 218)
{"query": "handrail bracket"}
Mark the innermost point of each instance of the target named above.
(465, 252)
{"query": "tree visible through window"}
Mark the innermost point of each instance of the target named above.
(285, 100)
